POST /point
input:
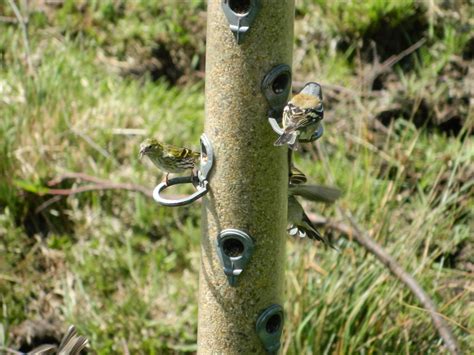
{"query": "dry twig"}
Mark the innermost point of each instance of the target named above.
(98, 185)
(381, 68)
(6, 19)
(396, 269)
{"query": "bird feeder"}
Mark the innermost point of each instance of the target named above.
(248, 79)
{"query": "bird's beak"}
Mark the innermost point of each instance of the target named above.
(142, 153)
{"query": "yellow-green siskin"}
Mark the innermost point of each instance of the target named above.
(168, 158)
(302, 112)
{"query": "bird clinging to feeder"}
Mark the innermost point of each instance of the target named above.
(303, 112)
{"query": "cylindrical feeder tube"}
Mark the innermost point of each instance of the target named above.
(249, 180)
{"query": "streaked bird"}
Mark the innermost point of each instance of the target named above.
(303, 112)
(169, 158)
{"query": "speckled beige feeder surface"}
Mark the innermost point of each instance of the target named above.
(248, 184)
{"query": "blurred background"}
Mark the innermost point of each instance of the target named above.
(81, 242)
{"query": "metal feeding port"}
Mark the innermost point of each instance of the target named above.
(269, 327)
(276, 86)
(234, 248)
(240, 14)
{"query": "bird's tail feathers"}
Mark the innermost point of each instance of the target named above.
(314, 234)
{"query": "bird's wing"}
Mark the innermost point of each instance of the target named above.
(314, 234)
(70, 333)
(179, 153)
(44, 349)
(310, 116)
(317, 193)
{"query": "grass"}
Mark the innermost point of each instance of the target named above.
(124, 270)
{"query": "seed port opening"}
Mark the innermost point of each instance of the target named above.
(204, 156)
(273, 324)
(280, 83)
(233, 247)
(240, 7)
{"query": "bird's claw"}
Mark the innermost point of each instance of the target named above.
(165, 179)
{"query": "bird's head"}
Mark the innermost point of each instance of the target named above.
(313, 89)
(310, 97)
(150, 146)
(305, 101)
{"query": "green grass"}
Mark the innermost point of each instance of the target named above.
(124, 270)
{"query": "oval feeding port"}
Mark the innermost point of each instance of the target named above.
(273, 324)
(280, 84)
(269, 327)
(276, 86)
(240, 14)
(240, 7)
(234, 248)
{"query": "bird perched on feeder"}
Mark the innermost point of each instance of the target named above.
(169, 158)
(303, 112)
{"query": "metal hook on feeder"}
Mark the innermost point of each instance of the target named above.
(240, 15)
(234, 248)
(276, 86)
(200, 181)
(269, 327)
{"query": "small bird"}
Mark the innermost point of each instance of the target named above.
(302, 112)
(301, 225)
(168, 158)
